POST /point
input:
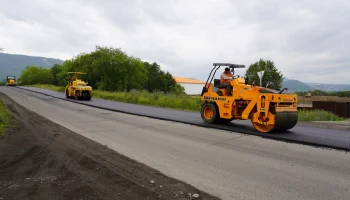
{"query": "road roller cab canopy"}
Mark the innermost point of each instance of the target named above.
(11, 77)
(215, 68)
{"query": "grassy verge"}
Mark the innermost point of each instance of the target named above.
(5, 118)
(318, 115)
(179, 102)
(49, 87)
(152, 99)
(189, 103)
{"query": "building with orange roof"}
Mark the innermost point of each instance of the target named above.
(192, 86)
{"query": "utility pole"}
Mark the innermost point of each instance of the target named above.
(261, 74)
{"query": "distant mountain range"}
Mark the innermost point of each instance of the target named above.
(295, 85)
(13, 64)
(330, 87)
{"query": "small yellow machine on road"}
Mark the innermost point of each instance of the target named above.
(77, 88)
(268, 109)
(11, 81)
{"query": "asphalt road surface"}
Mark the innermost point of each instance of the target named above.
(226, 164)
(337, 139)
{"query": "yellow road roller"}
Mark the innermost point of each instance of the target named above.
(76, 88)
(11, 81)
(232, 98)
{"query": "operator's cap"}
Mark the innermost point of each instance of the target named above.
(227, 69)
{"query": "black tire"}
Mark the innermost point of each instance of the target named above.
(85, 95)
(77, 97)
(210, 113)
(67, 96)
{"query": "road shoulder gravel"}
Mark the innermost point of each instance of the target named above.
(42, 160)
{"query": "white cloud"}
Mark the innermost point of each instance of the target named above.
(307, 40)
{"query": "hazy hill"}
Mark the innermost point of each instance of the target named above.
(329, 87)
(13, 64)
(295, 85)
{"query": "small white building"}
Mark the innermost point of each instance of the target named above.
(192, 86)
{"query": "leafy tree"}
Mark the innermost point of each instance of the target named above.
(55, 70)
(318, 93)
(62, 75)
(340, 93)
(271, 74)
(36, 75)
(161, 81)
(169, 83)
(301, 93)
(154, 75)
(109, 69)
(179, 89)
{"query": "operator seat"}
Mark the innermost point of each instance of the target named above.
(217, 84)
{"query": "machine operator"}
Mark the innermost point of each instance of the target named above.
(225, 79)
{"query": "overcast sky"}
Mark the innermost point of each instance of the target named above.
(308, 40)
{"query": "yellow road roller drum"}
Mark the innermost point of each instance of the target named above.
(270, 110)
(76, 88)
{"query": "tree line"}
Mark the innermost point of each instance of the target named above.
(111, 69)
(107, 69)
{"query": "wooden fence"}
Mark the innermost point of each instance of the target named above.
(342, 109)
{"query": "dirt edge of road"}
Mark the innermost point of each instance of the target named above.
(40, 159)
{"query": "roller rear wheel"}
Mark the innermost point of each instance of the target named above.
(209, 113)
(86, 95)
(77, 96)
(283, 122)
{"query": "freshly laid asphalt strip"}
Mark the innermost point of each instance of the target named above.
(321, 137)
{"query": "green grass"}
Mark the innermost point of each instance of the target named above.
(152, 99)
(5, 118)
(181, 102)
(49, 87)
(318, 115)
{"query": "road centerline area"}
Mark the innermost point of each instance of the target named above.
(237, 167)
